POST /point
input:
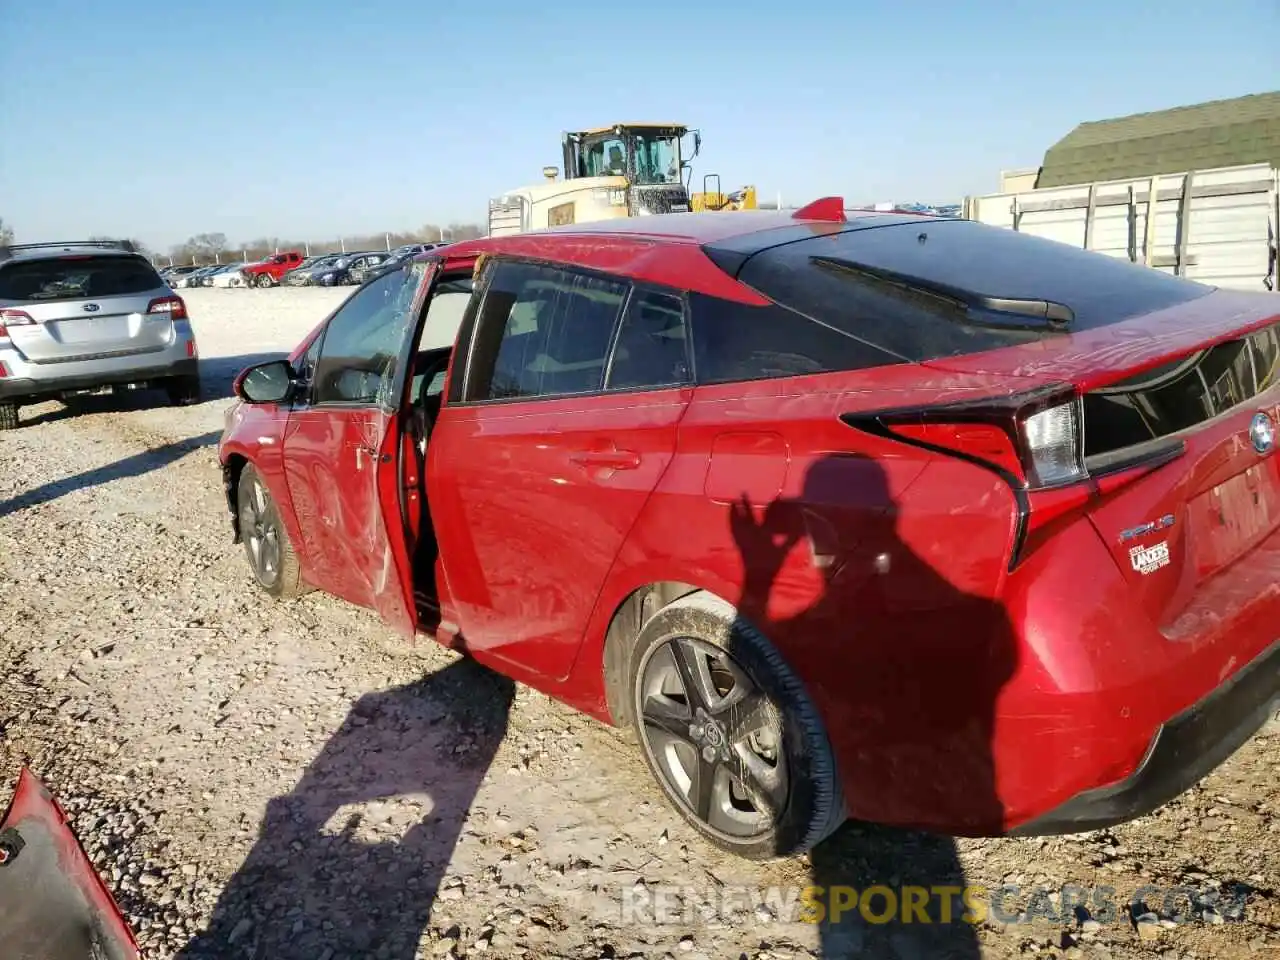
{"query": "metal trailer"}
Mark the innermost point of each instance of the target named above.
(1217, 226)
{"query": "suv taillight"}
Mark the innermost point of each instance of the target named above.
(173, 306)
(13, 318)
(1033, 441)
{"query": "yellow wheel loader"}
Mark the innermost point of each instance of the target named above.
(624, 170)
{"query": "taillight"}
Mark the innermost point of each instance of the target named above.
(173, 306)
(13, 318)
(1033, 441)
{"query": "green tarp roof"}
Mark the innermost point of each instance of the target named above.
(1221, 133)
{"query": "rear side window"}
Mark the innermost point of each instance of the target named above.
(652, 349)
(904, 286)
(736, 341)
(77, 278)
(542, 331)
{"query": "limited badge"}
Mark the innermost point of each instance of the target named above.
(1148, 560)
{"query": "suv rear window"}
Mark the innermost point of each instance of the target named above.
(77, 278)
(899, 286)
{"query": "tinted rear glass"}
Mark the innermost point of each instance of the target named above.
(77, 278)
(963, 255)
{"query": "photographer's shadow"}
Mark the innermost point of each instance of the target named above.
(920, 664)
(349, 863)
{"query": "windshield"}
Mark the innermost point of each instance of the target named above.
(657, 158)
(605, 158)
(652, 156)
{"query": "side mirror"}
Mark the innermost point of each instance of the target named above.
(269, 382)
(697, 143)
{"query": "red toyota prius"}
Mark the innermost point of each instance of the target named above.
(886, 516)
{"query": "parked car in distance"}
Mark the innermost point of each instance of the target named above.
(207, 278)
(233, 276)
(195, 278)
(905, 518)
(339, 271)
(360, 272)
(174, 274)
(305, 264)
(268, 272)
(306, 272)
(83, 316)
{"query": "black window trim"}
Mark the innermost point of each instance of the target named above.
(466, 333)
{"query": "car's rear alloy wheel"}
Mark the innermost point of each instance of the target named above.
(8, 415)
(266, 542)
(729, 732)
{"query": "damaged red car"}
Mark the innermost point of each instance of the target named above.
(875, 515)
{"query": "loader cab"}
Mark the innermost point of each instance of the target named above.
(651, 157)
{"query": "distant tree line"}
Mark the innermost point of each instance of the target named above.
(216, 248)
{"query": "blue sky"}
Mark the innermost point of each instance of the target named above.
(310, 119)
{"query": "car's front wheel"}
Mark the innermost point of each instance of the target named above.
(264, 280)
(730, 733)
(266, 542)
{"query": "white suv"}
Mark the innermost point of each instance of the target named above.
(81, 316)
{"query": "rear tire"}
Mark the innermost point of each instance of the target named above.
(743, 756)
(8, 415)
(183, 391)
(266, 542)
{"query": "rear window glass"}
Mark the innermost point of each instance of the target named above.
(77, 278)
(735, 341)
(962, 255)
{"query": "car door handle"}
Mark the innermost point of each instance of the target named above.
(607, 459)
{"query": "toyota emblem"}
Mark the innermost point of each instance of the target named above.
(1262, 432)
(90, 308)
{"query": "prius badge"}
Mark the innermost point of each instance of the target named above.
(1262, 433)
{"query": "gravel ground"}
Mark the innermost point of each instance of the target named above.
(264, 780)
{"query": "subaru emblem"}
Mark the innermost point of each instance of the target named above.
(90, 308)
(1262, 432)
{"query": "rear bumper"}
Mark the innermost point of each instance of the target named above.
(30, 390)
(1184, 750)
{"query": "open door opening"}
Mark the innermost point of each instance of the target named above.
(432, 351)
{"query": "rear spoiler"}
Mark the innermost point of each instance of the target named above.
(8, 250)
